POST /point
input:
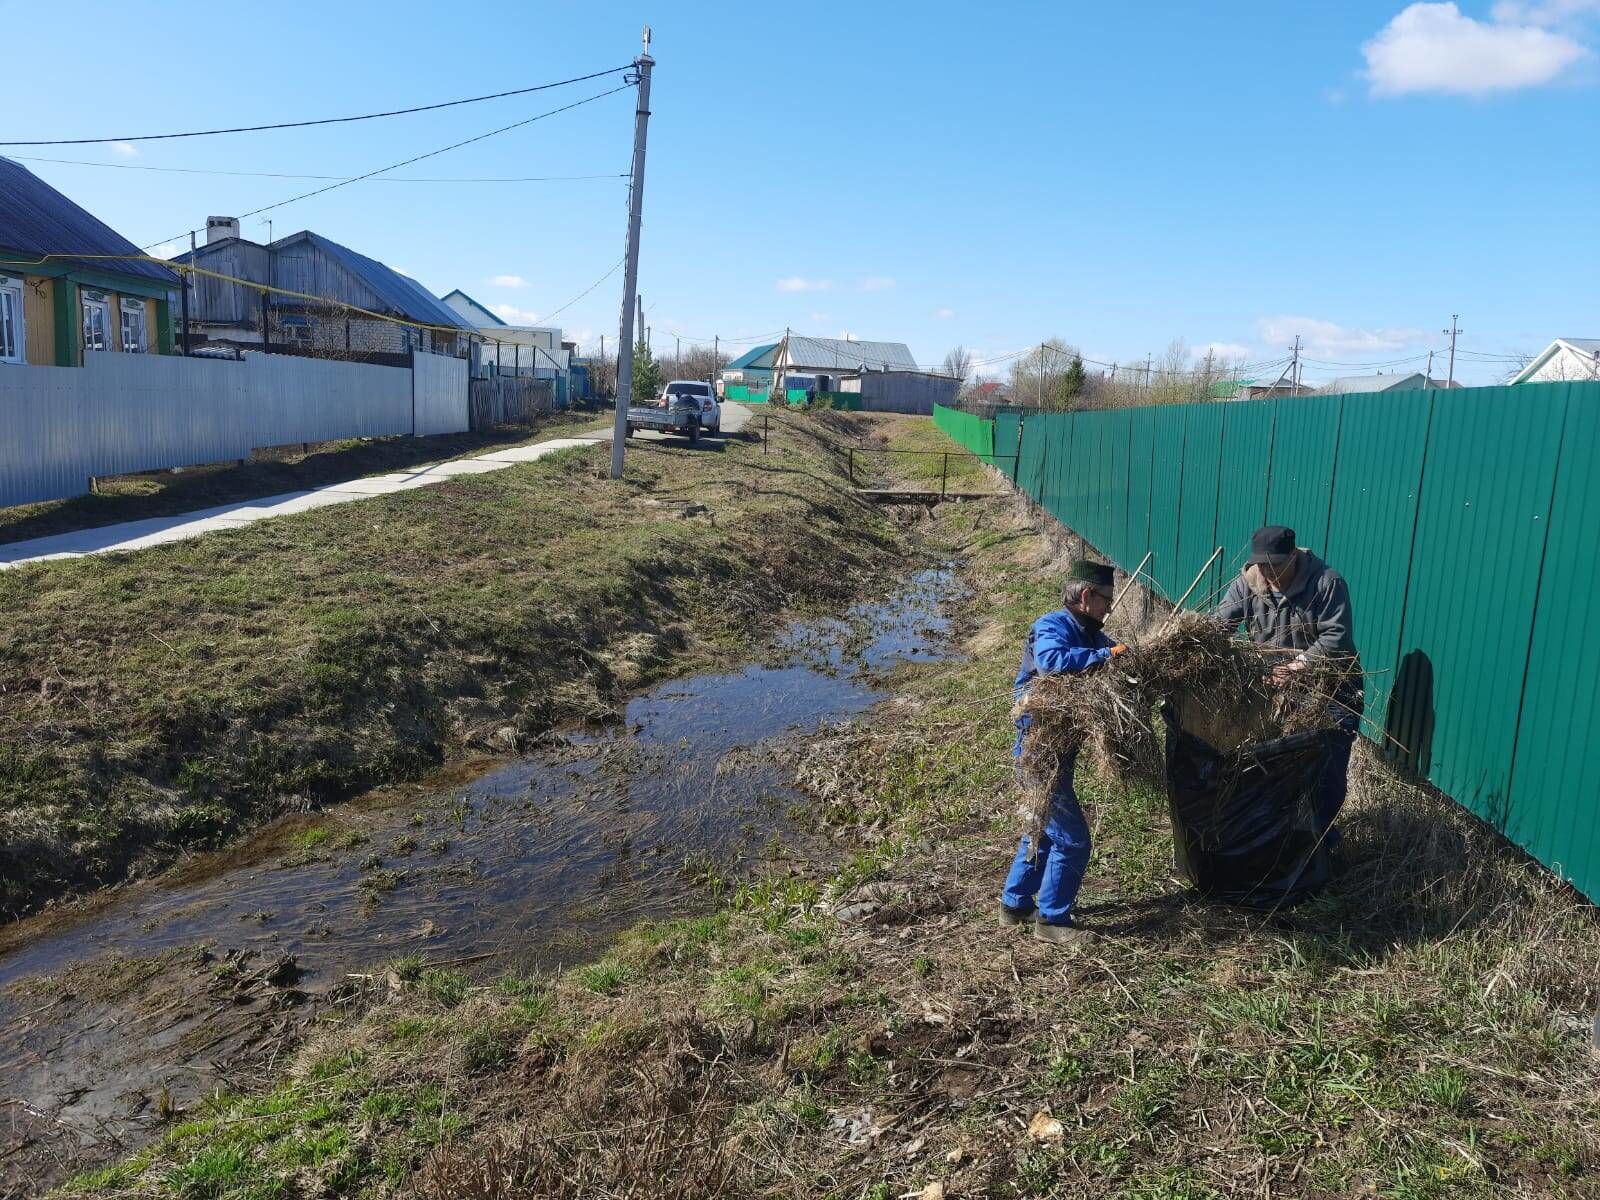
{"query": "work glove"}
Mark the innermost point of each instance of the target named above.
(1119, 649)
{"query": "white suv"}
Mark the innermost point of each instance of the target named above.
(710, 408)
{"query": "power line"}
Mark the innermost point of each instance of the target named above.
(407, 162)
(585, 292)
(396, 112)
(264, 288)
(78, 162)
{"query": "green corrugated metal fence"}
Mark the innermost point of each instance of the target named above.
(1463, 521)
(976, 434)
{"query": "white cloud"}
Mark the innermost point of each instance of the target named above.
(124, 149)
(1222, 350)
(512, 315)
(1435, 48)
(821, 318)
(798, 283)
(1327, 338)
(877, 283)
(509, 281)
(169, 250)
(1543, 12)
(944, 314)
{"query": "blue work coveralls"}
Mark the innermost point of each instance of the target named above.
(1057, 645)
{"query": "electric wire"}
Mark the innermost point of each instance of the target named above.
(78, 162)
(407, 162)
(397, 112)
(551, 315)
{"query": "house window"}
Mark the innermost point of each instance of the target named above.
(96, 321)
(134, 340)
(13, 339)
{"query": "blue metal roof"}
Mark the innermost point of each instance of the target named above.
(749, 357)
(404, 296)
(36, 219)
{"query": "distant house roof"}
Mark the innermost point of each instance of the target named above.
(404, 296)
(1224, 389)
(1582, 347)
(36, 219)
(751, 358)
(1350, 384)
(833, 354)
(467, 301)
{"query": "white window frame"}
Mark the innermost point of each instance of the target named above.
(11, 289)
(134, 307)
(96, 303)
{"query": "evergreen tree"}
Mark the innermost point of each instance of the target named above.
(647, 380)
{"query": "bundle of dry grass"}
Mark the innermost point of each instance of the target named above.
(1220, 687)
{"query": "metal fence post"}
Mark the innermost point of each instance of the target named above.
(852, 466)
(766, 432)
(944, 474)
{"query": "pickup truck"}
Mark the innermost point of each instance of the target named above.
(672, 412)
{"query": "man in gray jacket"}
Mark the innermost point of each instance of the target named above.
(1289, 599)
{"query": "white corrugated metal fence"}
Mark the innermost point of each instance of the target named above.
(135, 412)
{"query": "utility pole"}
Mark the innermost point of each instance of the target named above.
(630, 274)
(1294, 368)
(1452, 331)
(1427, 376)
(1149, 361)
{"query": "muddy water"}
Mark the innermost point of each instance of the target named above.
(170, 990)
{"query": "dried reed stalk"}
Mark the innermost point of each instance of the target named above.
(1219, 686)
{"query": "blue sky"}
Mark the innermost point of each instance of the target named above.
(1115, 175)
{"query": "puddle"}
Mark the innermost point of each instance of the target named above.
(529, 865)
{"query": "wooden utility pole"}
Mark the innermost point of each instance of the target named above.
(630, 274)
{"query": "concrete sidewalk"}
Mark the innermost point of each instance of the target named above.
(136, 535)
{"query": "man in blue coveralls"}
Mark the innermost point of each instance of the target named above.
(1044, 879)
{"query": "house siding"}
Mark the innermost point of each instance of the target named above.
(1564, 367)
(39, 315)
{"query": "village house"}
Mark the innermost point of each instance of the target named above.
(535, 351)
(1564, 360)
(70, 284)
(323, 300)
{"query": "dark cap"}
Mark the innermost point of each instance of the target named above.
(1271, 544)
(1097, 574)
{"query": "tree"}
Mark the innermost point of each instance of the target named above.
(1075, 378)
(1051, 376)
(647, 378)
(958, 364)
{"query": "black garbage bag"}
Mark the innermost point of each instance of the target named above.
(1243, 822)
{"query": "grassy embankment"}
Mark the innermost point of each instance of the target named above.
(1420, 1031)
(269, 472)
(167, 700)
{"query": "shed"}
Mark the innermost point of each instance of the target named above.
(902, 391)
